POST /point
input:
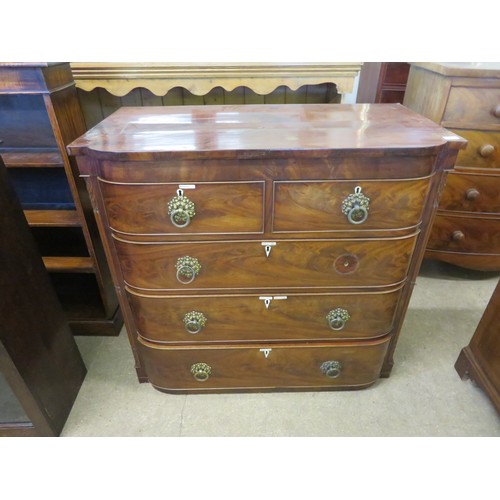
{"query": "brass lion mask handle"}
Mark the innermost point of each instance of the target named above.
(337, 318)
(332, 369)
(356, 206)
(187, 269)
(181, 210)
(194, 322)
(201, 371)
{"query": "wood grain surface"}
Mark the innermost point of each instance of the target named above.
(245, 318)
(221, 208)
(472, 192)
(292, 264)
(480, 235)
(138, 133)
(247, 367)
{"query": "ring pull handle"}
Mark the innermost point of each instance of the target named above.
(181, 210)
(486, 150)
(337, 318)
(332, 369)
(201, 371)
(194, 322)
(187, 269)
(356, 206)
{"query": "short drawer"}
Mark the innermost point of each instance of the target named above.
(201, 208)
(309, 206)
(463, 234)
(471, 193)
(473, 105)
(264, 366)
(483, 149)
(257, 318)
(244, 264)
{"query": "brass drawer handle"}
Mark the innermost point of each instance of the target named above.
(201, 371)
(472, 194)
(458, 236)
(337, 318)
(194, 322)
(181, 210)
(486, 150)
(332, 369)
(187, 269)
(356, 206)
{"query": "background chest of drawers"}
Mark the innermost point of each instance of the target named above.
(264, 247)
(465, 98)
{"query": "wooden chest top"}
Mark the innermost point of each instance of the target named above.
(249, 131)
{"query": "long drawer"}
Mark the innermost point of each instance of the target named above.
(471, 192)
(257, 264)
(483, 149)
(465, 234)
(268, 317)
(283, 366)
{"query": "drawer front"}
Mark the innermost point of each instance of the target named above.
(471, 193)
(264, 366)
(248, 318)
(218, 208)
(244, 264)
(462, 234)
(321, 205)
(473, 106)
(483, 149)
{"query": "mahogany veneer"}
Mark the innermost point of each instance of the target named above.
(266, 284)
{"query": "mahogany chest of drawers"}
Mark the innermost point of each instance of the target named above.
(268, 247)
(465, 98)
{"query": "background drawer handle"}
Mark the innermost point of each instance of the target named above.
(181, 210)
(337, 318)
(458, 236)
(496, 110)
(486, 150)
(194, 321)
(187, 269)
(201, 371)
(472, 194)
(332, 369)
(356, 206)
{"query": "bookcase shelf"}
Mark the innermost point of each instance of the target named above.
(39, 115)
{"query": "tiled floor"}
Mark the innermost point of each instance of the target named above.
(423, 396)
